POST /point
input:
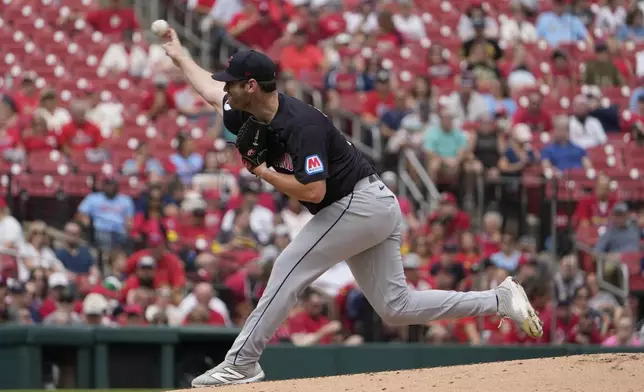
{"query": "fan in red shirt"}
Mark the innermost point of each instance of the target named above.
(202, 312)
(595, 210)
(387, 37)
(169, 268)
(538, 119)
(8, 123)
(255, 27)
(439, 68)
(586, 331)
(448, 213)
(79, 134)
(115, 18)
(152, 220)
(37, 137)
(310, 326)
(320, 23)
(563, 75)
(248, 284)
(301, 57)
(490, 237)
(378, 101)
(193, 223)
(9, 138)
(144, 276)
(27, 98)
(469, 254)
(159, 100)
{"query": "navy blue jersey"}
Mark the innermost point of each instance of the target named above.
(305, 143)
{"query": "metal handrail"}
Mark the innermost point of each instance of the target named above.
(427, 200)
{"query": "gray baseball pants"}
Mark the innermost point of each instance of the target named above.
(363, 228)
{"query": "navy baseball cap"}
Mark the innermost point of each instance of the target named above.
(248, 64)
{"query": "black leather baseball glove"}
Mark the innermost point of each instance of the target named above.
(252, 140)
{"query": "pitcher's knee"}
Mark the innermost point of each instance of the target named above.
(395, 310)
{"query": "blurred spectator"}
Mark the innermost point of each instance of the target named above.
(108, 116)
(347, 77)
(476, 14)
(295, 216)
(215, 177)
(75, 256)
(11, 234)
(568, 278)
(585, 131)
(440, 69)
(95, 308)
(109, 212)
(411, 266)
(163, 311)
(386, 37)
(159, 100)
(538, 119)
(585, 331)
(310, 326)
(145, 276)
(446, 147)
(301, 57)
(10, 144)
(50, 110)
(560, 25)
(185, 161)
(610, 17)
(601, 71)
(633, 29)
(378, 101)
(221, 13)
(79, 134)
(364, 19)
(64, 310)
(518, 154)
(608, 116)
(115, 17)
(596, 208)
(622, 235)
(255, 27)
(562, 154)
(142, 163)
(469, 253)
(600, 300)
(408, 22)
(509, 257)
(517, 28)
(37, 137)
(583, 10)
(450, 216)
(36, 253)
(8, 113)
(260, 219)
(485, 148)
(132, 316)
(195, 222)
(447, 268)
(168, 268)
(204, 296)
(625, 334)
(490, 46)
(391, 119)
(412, 129)
(499, 99)
(561, 74)
(26, 98)
(125, 56)
(465, 103)
(483, 67)
(152, 220)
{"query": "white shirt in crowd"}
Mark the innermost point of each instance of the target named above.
(107, 116)
(524, 31)
(261, 222)
(216, 304)
(354, 20)
(223, 12)
(116, 58)
(55, 120)
(609, 20)
(411, 27)
(587, 135)
(43, 258)
(10, 232)
(476, 107)
(295, 222)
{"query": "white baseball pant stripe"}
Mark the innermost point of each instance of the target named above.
(363, 228)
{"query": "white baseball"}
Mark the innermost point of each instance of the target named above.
(160, 27)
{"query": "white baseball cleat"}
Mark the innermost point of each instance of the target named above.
(513, 303)
(228, 374)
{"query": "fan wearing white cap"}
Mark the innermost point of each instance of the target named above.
(95, 308)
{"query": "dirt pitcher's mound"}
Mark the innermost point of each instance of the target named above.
(580, 373)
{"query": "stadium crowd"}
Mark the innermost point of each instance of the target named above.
(178, 233)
